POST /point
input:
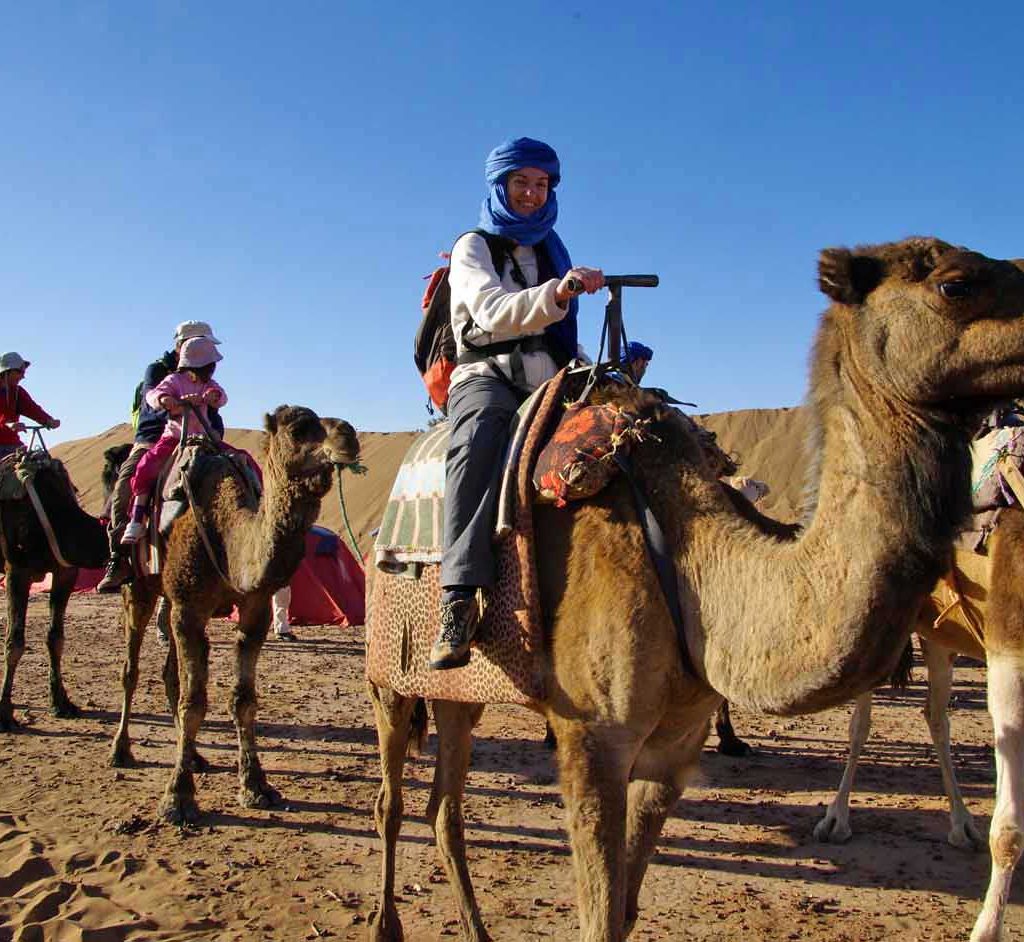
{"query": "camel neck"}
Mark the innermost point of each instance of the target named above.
(810, 624)
(272, 539)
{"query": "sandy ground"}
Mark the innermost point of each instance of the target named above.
(83, 856)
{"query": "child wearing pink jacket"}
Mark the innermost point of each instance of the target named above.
(191, 383)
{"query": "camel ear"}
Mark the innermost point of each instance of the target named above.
(270, 422)
(848, 278)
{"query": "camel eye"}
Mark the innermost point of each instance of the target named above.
(955, 290)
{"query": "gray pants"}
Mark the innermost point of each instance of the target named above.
(480, 410)
(121, 496)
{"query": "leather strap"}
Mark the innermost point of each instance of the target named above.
(664, 565)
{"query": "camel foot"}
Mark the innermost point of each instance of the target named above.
(965, 836)
(65, 710)
(830, 830)
(178, 809)
(198, 763)
(258, 796)
(121, 755)
(387, 929)
(736, 748)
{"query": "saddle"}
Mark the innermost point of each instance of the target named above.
(21, 466)
(557, 453)
(190, 463)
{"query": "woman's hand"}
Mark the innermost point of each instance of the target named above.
(211, 397)
(592, 280)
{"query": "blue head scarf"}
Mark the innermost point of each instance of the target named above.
(498, 217)
(636, 351)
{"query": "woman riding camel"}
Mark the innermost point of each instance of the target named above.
(515, 326)
(16, 403)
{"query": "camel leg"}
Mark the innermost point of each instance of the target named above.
(197, 762)
(939, 661)
(834, 828)
(1006, 833)
(729, 744)
(17, 585)
(594, 764)
(253, 790)
(61, 587)
(178, 804)
(393, 714)
(455, 722)
(138, 602)
(658, 778)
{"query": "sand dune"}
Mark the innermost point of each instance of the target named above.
(768, 443)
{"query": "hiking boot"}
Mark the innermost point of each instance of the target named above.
(117, 573)
(285, 634)
(459, 618)
(134, 532)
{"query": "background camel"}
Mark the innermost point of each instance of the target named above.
(917, 332)
(80, 542)
(992, 588)
(258, 546)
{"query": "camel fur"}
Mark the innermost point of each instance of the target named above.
(917, 332)
(81, 540)
(259, 545)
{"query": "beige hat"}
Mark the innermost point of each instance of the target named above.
(198, 352)
(186, 330)
(13, 361)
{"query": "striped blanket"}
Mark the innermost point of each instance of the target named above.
(412, 530)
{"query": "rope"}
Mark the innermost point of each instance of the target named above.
(355, 468)
(202, 533)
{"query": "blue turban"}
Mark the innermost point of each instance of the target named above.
(636, 351)
(498, 217)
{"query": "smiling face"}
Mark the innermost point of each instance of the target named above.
(527, 190)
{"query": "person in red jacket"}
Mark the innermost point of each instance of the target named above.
(15, 403)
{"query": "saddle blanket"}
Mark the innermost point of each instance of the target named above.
(405, 593)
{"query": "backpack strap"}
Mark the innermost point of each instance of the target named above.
(502, 250)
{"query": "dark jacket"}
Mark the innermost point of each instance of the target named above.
(152, 421)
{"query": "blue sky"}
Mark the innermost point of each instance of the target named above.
(290, 171)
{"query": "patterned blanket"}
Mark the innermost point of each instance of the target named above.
(412, 529)
(403, 599)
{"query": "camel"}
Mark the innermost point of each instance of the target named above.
(916, 334)
(27, 556)
(993, 589)
(258, 546)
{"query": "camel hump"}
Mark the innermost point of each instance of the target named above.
(200, 459)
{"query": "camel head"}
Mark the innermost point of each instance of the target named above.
(341, 444)
(921, 323)
(113, 458)
(305, 448)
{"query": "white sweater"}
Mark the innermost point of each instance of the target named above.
(499, 309)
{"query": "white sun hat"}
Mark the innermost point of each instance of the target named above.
(13, 361)
(186, 330)
(199, 352)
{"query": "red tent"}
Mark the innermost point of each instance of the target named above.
(329, 586)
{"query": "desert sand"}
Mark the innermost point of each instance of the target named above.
(83, 855)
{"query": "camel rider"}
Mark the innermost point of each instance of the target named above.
(16, 403)
(637, 356)
(150, 428)
(514, 328)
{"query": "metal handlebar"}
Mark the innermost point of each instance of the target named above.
(618, 281)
